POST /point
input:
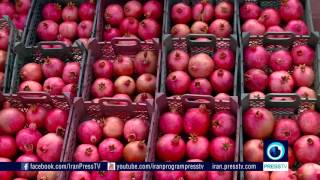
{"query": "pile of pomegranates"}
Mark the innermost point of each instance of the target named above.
(17, 11)
(279, 71)
(202, 18)
(52, 76)
(288, 17)
(302, 134)
(200, 73)
(126, 77)
(66, 24)
(134, 19)
(33, 135)
(111, 139)
(211, 138)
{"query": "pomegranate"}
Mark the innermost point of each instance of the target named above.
(258, 123)
(136, 130)
(249, 10)
(269, 17)
(222, 97)
(6, 175)
(143, 97)
(178, 82)
(200, 65)
(48, 175)
(86, 153)
(280, 60)
(104, 175)
(47, 30)
(70, 12)
(221, 81)
(87, 10)
(89, 132)
(196, 121)
(303, 76)
(291, 157)
(220, 28)
(297, 27)
(171, 123)
(124, 85)
(56, 120)
(303, 54)
(135, 151)
(27, 158)
(146, 83)
(129, 25)
(307, 149)
(200, 86)
(254, 27)
(286, 130)
(11, 121)
(52, 67)
(177, 60)
(256, 175)
(152, 9)
(224, 59)
(180, 30)
(253, 150)
(127, 175)
(275, 29)
(71, 72)
(8, 146)
(146, 62)
(102, 87)
(223, 124)
(161, 175)
(67, 42)
(256, 57)
(31, 72)
(281, 82)
(49, 147)
(110, 149)
(52, 11)
(306, 93)
(53, 85)
(76, 175)
(123, 66)
(84, 29)
(122, 97)
(113, 14)
(195, 175)
(309, 122)
(170, 147)
(309, 171)
(285, 175)
(110, 33)
(181, 13)
(27, 139)
(36, 116)
(132, 8)
(291, 10)
(255, 80)
(7, 9)
(70, 89)
(197, 147)
(203, 11)
(19, 20)
(68, 29)
(113, 127)
(199, 27)
(224, 10)
(148, 29)
(222, 149)
(102, 68)
(220, 175)
(30, 86)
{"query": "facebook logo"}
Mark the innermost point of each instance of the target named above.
(25, 166)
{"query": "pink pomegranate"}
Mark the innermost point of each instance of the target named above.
(113, 14)
(203, 11)
(110, 149)
(84, 29)
(253, 150)
(129, 25)
(146, 83)
(123, 66)
(256, 175)
(258, 123)
(68, 29)
(255, 80)
(224, 59)
(56, 120)
(309, 122)
(303, 54)
(87, 10)
(146, 62)
(285, 175)
(181, 13)
(200, 86)
(49, 147)
(256, 57)
(307, 93)
(170, 147)
(162, 175)
(307, 149)
(53, 85)
(135, 129)
(291, 10)
(224, 10)
(122, 97)
(11, 120)
(52, 67)
(309, 171)
(89, 132)
(36, 116)
(86, 153)
(297, 27)
(220, 175)
(143, 97)
(220, 28)
(76, 175)
(222, 149)
(148, 29)
(197, 147)
(30, 86)
(8, 147)
(281, 82)
(200, 65)
(177, 60)
(124, 85)
(27, 139)
(223, 124)
(303, 75)
(102, 87)
(127, 175)
(171, 123)
(71, 89)
(254, 27)
(275, 29)
(71, 72)
(135, 151)
(31, 72)
(152, 9)
(180, 30)
(104, 175)
(110, 33)
(133, 9)
(52, 11)
(249, 10)
(19, 20)
(199, 27)
(7, 9)
(269, 17)
(221, 81)
(70, 12)
(178, 82)
(286, 130)
(27, 158)
(113, 127)
(102, 68)
(196, 121)
(280, 60)
(222, 97)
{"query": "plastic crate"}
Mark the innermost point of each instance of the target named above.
(167, 25)
(36, 54)
(194, 47)
(110, 51)
(272, 44)
(101, 24)
(30, 37)
(181, 104)
(14, 36)
(280, 109)
(307, 18)
(105, 107)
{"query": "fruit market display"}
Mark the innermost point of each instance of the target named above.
(288, 17)
(17, 11)
(67, 23)
(202, 18)
(135, 18)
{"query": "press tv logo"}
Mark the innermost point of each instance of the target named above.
(275, 155)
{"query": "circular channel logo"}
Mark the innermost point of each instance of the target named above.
(275, 151)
